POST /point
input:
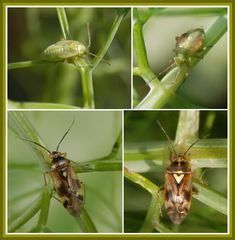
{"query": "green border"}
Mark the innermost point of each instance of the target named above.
(3, 115)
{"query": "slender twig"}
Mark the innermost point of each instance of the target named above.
(63, 22)
(26, 64)
(87, 87)
(112, 33)
(37, 105)
(85, 222)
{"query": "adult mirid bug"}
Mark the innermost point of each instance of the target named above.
(69, 190)
(178, 187)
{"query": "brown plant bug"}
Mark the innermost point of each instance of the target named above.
(69, 190)
(178, 187)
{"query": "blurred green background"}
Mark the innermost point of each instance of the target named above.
(31, 30)
(91, 137)
(141, 130)
(206, 84)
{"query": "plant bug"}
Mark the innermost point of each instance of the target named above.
(178, 187)
(67, 49)
(69, 190)
(64, 50)
(187, 47)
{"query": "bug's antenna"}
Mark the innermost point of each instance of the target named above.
(194, 144)
(89, 35)
(167, 136)
(57, 148)
(171, 64)
(190, 147)
(94, 55)
(36, 144)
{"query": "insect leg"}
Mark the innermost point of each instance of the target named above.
(89, 35)
(170, 66)
(161, 189)
(194, 190)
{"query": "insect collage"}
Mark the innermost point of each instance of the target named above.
(117, 121)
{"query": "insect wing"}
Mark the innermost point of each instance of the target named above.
(77, 192)
(178, 195)
(60, 183)
(74, 205)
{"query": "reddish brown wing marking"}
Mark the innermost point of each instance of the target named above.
(178, 196)
(72, 179)
(76, 200)
(74, 205)
(59, 182)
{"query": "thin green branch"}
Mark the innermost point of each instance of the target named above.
(63, 22)
(85, 222)
(22, 127)
(140, 180)
(139, 44)
(152, 217)
(87, 87)
(188, 127)
(26, 64)
(45, 204)
(98, 165)
(207, 153)
(173, 12)
(143, 68)
(95, 61)
(36, 105)
(210, 197)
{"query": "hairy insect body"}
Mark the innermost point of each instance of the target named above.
(63, 50)
(178, 190)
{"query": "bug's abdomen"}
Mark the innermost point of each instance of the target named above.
(178, 195)
(63, 50)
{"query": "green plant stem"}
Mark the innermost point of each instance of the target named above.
(140, 180)
(86, 69)
(152, 216)
(21, 126)
(210, 197)
(161, 93)
(63, 22)
(157, 12)
(98, 165)
(207, 153)
(117, 21)
(188, 127)
(143, 68)
(87, 87)
(33, 105)
(85, 222)
(26, 64)
(45, 204)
